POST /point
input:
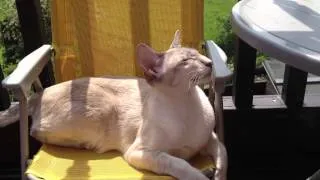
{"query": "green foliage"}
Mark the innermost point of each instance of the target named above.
(1, 52)
(260, 58)
(217, 25)
(214, 9)
(10, 35)
(6, 8)
(8, 68)
(218, 28)
(226, 38)
(11, 39)
(46, 18)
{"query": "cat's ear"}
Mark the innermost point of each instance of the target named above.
(176, 42)
(150, 61)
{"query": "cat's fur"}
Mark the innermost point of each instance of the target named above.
(157, 122)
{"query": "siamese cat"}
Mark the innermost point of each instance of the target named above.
(157, 122)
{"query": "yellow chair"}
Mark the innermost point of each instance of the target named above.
(98, 37)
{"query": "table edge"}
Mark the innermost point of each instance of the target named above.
(273, 45)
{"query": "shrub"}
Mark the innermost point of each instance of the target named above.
(11, 37)
(226, 38)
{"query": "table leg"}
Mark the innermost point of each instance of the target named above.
(294, 87)
(243, 80)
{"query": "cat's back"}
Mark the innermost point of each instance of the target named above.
(123, 85)
(119, 86)
(104, 109)
(118, 93)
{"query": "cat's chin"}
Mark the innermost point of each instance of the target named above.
(205, 80)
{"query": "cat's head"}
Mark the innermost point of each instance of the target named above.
(176, 67)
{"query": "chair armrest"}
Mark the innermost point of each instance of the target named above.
(219, 59)
(28, 70)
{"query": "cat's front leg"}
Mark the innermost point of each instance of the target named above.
(163, 163)
(218, 153)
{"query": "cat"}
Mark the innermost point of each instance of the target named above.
(157, 122)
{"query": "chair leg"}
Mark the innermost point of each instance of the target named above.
(24, 136)
(215, 97)
(218, 106)
(211, 95)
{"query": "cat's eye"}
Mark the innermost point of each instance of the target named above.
(184, 61)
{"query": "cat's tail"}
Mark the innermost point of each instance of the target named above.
(11, 114)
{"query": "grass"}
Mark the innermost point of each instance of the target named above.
(214, 9)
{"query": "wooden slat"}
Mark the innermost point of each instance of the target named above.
(259, 102)
(31, 26)
(272, 102)
(245, 61)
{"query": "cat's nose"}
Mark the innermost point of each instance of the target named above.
(208, 64)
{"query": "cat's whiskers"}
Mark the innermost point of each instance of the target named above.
(196, 78)
(193, 79)
(189, 85)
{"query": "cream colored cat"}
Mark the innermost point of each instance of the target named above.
(157, 123)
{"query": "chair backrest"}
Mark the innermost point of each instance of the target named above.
(99, 37)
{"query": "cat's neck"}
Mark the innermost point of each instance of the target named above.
(174, 92)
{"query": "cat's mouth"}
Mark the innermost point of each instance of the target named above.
(201, 77)
(205, 77)
(207, 73)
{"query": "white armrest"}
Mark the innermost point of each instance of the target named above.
(28, 70)
(219, 59)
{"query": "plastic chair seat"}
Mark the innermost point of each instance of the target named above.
(54, 162)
